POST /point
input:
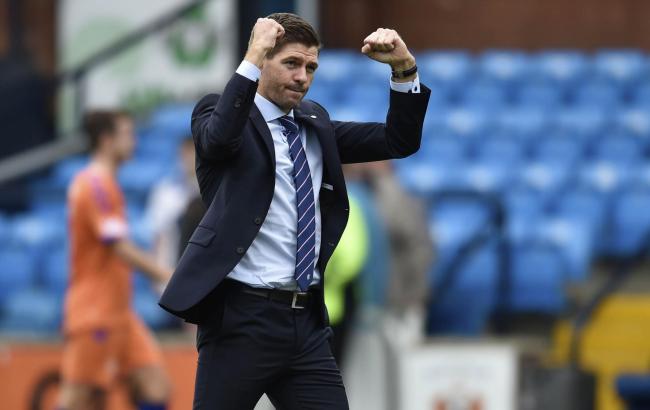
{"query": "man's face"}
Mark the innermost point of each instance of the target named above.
(287, 75)
(123, 139)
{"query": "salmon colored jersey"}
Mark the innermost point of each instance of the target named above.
(99, 289)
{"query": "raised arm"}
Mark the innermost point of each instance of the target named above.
(401, 134)
(218, 121)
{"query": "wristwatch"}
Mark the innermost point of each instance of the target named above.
(405, 73)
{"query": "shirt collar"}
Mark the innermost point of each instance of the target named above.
(269, 110)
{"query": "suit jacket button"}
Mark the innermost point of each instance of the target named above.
(237, 102)
(240, 250)
(257, 220)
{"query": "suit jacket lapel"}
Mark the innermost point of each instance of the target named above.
(263, 128)
(328, 145)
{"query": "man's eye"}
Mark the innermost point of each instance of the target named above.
(291, 63)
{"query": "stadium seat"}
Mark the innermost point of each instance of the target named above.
(634, 389)
(36, 231)
(502, 149)
(545, 96)
(474, 281)
(558, 149)
(31, 311)
(560, 68)
(537, 277)
(145, 304)
(425, 178)
(573, 239)
(522, 122)
(483, 94)
(547, 177)
(635, 121)
(441, 148)
(487, 175)
(172, 120)
(619, 149)
(606, 177)
(505, 67)
(467, 122)
(622, 67)
(629, 231)
(56, 271)
(17, 272)
(599, 94)
(580, 121)
(445, 70)
(140, 176)
(64, 171)
(335, 66)
(524, 209)
(587, 207)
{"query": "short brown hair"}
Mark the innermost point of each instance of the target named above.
(100, 122)
(296, 30)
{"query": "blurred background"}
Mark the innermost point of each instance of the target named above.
(517, 278)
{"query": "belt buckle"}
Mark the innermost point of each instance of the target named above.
(295, 299)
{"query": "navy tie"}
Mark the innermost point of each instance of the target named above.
(306, 233)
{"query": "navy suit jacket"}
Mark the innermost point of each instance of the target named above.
(235, 167)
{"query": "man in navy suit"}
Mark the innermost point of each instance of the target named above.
(269, 169)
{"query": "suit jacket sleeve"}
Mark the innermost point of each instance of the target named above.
(218, 121)
(399, 137)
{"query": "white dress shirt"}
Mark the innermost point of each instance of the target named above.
(270, 261)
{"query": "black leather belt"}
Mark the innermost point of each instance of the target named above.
(297, 299)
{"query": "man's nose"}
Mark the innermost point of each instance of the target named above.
(301, 75)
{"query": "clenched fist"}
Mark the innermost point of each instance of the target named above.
(263, 38)
(386, 46)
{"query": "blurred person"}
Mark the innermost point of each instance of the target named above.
(411, 253)
(104, 339)
(269, 167)
(343, 269)
(168, 203)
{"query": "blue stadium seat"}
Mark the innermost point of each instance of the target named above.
(475, 281)
(524, 209)
(560, 68)
(574, 239)
(606, 177)
(141, 176)
(629, 231)
(505, 67)
(580, 121)
(56, 271)
(425, 178)
(488, 175)
(538, 274)
(599, 94)
(558, 148)
(446, 148)
(37, 231)
(634, 389)
(335, 66)
(467, 122)
(545, 96)
(623, 67)
(445, 70)
(618, 148)
(172, 120)
(31, 311)
(483, 94)
(502, 149)
(640, 94)
(17, 272)
(635, 121)
(522, 122)
(154, 144)
(64, 171)
(546, 177)
(145, 304)
(587, 207)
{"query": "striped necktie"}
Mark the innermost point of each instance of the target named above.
(306, 233)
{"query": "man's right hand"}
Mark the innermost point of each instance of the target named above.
(265, 33)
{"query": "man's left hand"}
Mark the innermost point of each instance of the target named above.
(386, 46)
